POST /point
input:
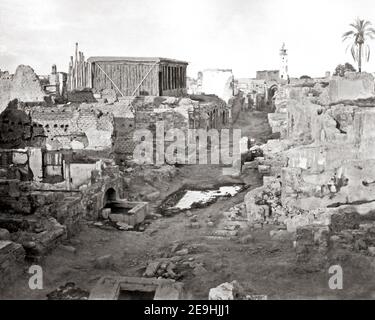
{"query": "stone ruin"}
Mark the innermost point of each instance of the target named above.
(24, 85)
(318, 177)
(59, 164)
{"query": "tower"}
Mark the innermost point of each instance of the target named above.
(284, 63)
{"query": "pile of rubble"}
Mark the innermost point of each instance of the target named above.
(36, 235)
(264, 204)
(69, 291)
(229, 227)
(179, 261)
(164, 268)
(232, 291)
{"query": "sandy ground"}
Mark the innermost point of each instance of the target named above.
(263, 266)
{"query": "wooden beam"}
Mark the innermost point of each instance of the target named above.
(114, 84)
(135, 90)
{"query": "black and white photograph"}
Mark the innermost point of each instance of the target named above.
(197, 151)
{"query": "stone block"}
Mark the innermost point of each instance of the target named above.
(352, 87)
(226, 291)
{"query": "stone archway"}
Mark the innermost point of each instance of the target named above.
(272, 91)
(110, 196)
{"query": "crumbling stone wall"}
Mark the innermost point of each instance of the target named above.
(68, 207)
(16, 129)
(329, 174)
(24, 85)
(73, 127)
(175, 113)
(332, 159)
(352, 87)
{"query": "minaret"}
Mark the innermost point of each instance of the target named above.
(284, 63)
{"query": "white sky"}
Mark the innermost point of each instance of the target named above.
(244, 35)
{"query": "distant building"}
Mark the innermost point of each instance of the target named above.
(138, 76)
(284, 74)
(276, 75)
(128, 76)
(56, 82)
(268, 75)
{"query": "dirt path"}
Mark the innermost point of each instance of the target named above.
(262, 266)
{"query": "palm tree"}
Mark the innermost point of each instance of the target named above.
(361, 32)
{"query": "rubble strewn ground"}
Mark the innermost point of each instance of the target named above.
(252, 238)
(74, 200)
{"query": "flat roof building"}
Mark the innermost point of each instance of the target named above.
(129, 76)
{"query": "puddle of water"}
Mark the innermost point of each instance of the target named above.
(192, 197)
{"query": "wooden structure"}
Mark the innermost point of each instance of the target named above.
(128, 76)
(79, 72)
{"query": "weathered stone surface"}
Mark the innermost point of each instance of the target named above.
(354, 86)
(326, 162)
(152, 268)
(24, 85)
(226, 291)
(4, 234)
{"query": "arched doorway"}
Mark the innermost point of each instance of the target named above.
(110, 196)
(272, 96)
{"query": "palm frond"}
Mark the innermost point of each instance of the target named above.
(365, 24)
(347, 35)
(367, 56)
(346, 50)
(370, 35)
(353, 52)
(369, 23)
